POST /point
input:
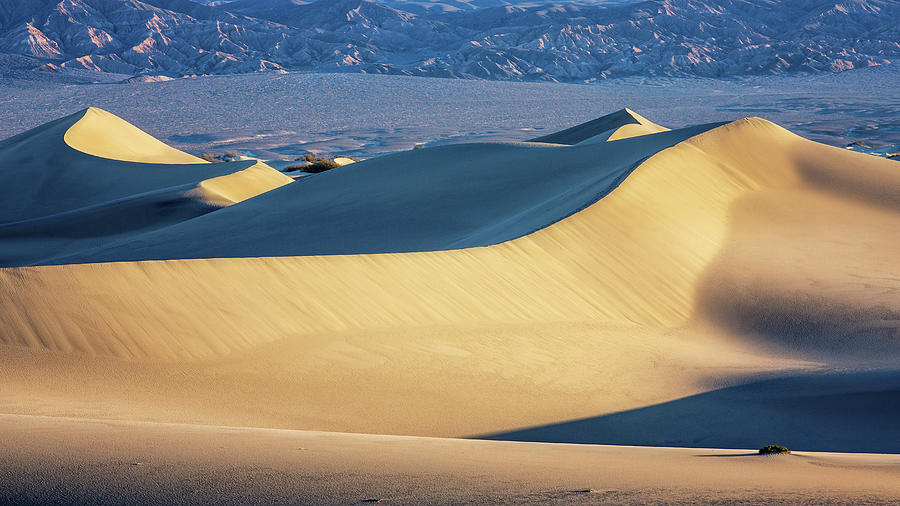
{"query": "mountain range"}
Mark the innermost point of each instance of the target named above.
(491, 39)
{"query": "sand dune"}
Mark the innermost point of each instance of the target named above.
(103, 462)
(621, 124)
(460, 290)
(451, 197)
(241, 185)
(104, 135)
(62, 196)
(42, 175)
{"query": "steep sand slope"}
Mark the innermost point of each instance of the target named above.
(624, 304)
(60, 199)
(42, 174)
(105, 135)
(240, 185)
(451, 197)
(109, 222)
(621, 124)
(90, 461)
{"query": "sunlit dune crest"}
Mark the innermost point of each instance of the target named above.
(241, 185)
(105, 135)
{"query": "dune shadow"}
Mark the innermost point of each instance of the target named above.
(841, 412)
(840, 301)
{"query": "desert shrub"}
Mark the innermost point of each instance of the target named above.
(293, 168)
(309, 157)
(231, 154)
(209, 157)
(320, 165)
(419, 146)
(773, 450)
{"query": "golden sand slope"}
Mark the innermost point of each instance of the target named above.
(643, 126)
(635, 130)
(637, 256)
(105, 135)
(242, 185)
(613, 308)
(603, 264)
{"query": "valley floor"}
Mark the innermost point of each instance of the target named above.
(285, 116)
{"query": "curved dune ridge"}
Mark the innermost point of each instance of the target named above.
(105, 135)
(452, 197)
(464, 283)
(464, 196)
(622, 124)
(58, 197)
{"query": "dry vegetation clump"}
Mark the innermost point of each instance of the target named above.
(773, 450)
(229, 156)
(320, 165)
(314, 164)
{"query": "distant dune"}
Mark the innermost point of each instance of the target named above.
(613, 268)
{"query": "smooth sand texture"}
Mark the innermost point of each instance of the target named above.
(105, 135)
(634, 130)
(451, 197)
(621, 124)
(242, 185)
(343, 160)
(98, 462)
(641, 126)
(678, 271)
(59, 200)
(42, 176)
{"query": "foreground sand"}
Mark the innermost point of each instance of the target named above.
(102, 462)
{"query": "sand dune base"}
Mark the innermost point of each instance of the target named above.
(122, 462)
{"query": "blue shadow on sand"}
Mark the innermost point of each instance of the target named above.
(841, 412)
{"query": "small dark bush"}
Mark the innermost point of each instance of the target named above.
(209, 157)
(320, 165)
(309, 157)
(231, 154)
(773, 450)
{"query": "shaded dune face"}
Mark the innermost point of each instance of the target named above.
(597, 269)
(444, 198)
(810, 262)
(706, 226)
(621, 124)
(91, 179)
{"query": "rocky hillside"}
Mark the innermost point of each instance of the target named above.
(573, 42)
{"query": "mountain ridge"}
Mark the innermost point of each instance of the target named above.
(567, 42)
